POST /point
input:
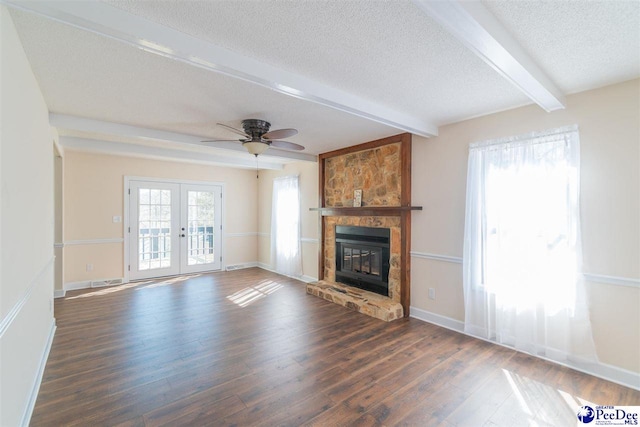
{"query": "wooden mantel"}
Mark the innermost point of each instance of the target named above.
(402, 210)
(366, 210)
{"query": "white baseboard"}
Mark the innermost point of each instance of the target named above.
(72, 286)
(26, 417)
(102, 283)
(59, 293)
(437, 319)
(601, 370)
(308, 279)
(617, 375)
(241, 266)
(303, 278)
(97, 283)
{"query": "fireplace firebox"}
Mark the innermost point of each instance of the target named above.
(362, 258)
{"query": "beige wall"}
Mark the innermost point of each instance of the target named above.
(609, 124)
(308, 173)
(26, 230)
(93, 194)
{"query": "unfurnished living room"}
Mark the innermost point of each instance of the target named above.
(320, 213)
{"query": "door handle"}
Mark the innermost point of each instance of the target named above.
(182, 235)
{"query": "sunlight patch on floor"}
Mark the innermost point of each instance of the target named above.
(140, 285)
(517, 392)
(167, 282)
(250, 294)
(573, 402)
(544, 404)
(105, 291)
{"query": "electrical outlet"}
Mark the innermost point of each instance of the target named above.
(432, 293)
(117, 218)
(89, 267)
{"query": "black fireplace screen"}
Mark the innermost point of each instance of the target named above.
(359, 259)
(362, 258)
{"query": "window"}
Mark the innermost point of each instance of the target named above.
(285, 226)
(522, 249)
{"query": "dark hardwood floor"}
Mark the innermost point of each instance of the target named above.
(250, 347)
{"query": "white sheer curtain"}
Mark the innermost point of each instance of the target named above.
(285, 226)
(522, 249)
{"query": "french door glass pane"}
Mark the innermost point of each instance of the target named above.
(201, 224)
(154, 228)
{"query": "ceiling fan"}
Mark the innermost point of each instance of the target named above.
(257, 138)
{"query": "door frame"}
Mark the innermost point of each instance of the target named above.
(126, 220)
(183, 264)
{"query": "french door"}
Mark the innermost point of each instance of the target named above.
(174, 228)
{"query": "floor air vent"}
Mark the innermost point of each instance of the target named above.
(105, 282)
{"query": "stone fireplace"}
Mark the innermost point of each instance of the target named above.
(364, 259)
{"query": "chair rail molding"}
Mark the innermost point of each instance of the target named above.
(589, 277)
(437, 257)
(247, 234)
(93, 241)
(15, 310)
(612, 280)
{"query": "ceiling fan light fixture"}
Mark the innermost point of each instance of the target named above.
(255, 148)
(257, 138)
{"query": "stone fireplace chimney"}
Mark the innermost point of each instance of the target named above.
(381, 169)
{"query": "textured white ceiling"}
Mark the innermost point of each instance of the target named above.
(83, 74)
(388, 52)
(582, 45)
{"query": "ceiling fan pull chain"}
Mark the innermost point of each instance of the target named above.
(257, 176)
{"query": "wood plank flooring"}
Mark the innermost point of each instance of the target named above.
(250, 347)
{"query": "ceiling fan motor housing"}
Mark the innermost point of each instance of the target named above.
(255, 128)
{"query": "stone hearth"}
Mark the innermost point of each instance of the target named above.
(382, 307)
(364, 302)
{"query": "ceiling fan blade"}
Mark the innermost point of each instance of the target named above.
(286, 145)
(221, 140)
(280, 133)
(234, 130)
